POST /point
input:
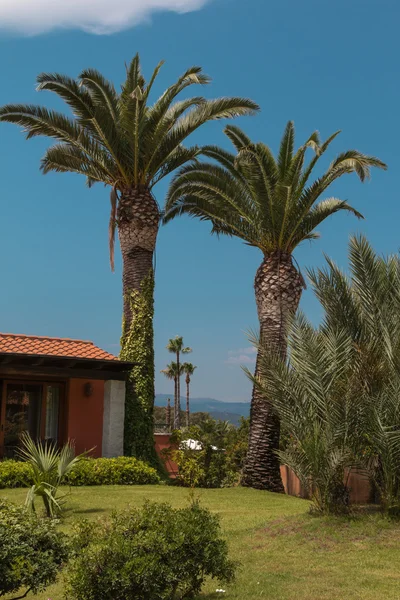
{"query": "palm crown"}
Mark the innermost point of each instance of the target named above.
(171, 370)
(175, 345)
(266, 201)
(118, 138)
(188, 369)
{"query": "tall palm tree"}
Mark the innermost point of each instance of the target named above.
(172, 371)
(175, 346)
(121, 140)
(188, 369)
(270, 204)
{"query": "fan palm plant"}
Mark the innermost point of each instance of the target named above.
(188, 369)
(49, 465)
(172, 371)
(272, 204)
(121, 140)
(175, 346)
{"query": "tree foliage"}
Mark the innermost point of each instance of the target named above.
(32, 551)
(119, 138)
(269, 202)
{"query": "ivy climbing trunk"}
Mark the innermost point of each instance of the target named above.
(177, 423)
(138, 222)
(278, 286)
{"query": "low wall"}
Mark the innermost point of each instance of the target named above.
(161, 442)
(360, 488)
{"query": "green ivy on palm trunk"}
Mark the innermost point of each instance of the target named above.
(137, 347)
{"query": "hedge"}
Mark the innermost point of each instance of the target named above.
(123, 470)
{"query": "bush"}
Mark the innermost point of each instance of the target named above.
(219, 460)
(123, 470)
(15, 474)
(153, 553)
(31, 550)
(89, 471)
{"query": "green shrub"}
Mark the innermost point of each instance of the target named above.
(89, 471)
(153, 553)
(218, 461)
(123, 470)
(31, 550)
(15, 474)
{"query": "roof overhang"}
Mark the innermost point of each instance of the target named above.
(62, 366)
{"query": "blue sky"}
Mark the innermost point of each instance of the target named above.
(327, 66)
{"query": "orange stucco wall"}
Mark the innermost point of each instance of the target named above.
(85, 415)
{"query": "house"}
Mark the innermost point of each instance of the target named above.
(60, 389)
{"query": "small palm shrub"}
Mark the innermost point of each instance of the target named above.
(49, 466)
(32, 551)
(381, 455)
(153, 553)
(318, 411)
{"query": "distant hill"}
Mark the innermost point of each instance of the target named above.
(226, 411)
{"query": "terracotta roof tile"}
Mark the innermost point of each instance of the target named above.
(11, 343)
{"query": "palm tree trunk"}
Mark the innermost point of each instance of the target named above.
(138, 222)
(176, 404)
(168, 415)
(187, 401)
(178, 390)
(278, 286)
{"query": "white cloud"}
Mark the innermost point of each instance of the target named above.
(242, 356)
(33, 17)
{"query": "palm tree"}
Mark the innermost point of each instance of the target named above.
(188, 369)
(175, 346)
(270, 204)
(172, 371)
(122, 141)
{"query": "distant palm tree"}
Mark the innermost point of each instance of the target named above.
(121, 140)
(188, 369)
(175, 346)
(172, 371)
(270, 204)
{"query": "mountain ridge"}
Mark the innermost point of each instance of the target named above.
(225, 411)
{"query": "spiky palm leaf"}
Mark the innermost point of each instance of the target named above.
(318, 409)
(119, 138)
(49, 465)
(266, 201)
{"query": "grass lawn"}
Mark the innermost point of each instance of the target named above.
(285, 554)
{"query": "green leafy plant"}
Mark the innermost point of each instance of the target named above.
(50, 466)
(15, 474)
(124, 470)
(137, 348)
(32, 551)
(153, 553)
(215, 459)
